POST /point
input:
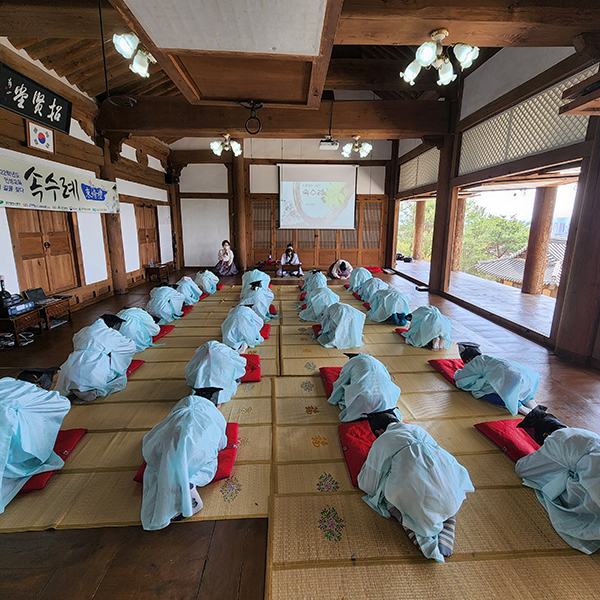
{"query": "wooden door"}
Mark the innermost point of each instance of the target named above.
(43, 247)
(145, 217)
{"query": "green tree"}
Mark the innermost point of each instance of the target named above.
(406, 227)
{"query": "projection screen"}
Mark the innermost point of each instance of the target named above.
(317, 196)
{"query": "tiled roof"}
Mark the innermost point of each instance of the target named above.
(512, 267)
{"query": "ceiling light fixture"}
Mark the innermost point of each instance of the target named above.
(226, 144)
(126, 44)
(431, 54)
(141, 63)
(363, 149)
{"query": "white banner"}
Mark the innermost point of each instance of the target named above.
(31, 185)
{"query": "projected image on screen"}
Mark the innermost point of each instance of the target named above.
(317, 196)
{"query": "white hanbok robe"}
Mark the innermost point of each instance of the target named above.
(255, 275)
(139, 326)
(358, 277)
(165, 303)
(206, 281)
(369, 288)
(312, 281)
(189, 289)
(317, 300)
(260, 300)
(386, 303)
(292, 260)
(427, 324)
(364, 386)
(241, 325)
(341, 327)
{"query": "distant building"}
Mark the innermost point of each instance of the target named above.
(509, 269)
(560, 227)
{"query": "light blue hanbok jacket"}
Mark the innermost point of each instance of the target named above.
(370, 287)
(30, 418)
(98, 362)
(512, 381)
(358, 277)
(260, 300)
(341, 327)
(317, 300)
(206, 281)
(139, 326)
(241, 325)
(190, 290)
(406, 469)
(255, 275)
(180, 450)
(312, 281)
(364, 386)
(166, 304)
(427, 324)
(216, 365)
(386, 303)
(565, 474)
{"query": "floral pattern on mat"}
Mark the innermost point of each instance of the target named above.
(310, 366)
(244, 409)
(327, 483)
(251, 352)
(331, 524)
(303, 329)
(230, 489)
(248, 387)
(318, 440)
(307, 386)
(311, 410)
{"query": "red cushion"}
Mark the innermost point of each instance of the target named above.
(252, 368)
(355, 294)
(302, 295)
(265, 331)
(65, 442)
(164, 329)
(220, 286)
(225, 458)
(347, 286)
(202, 296)
(514, 442)
(304, 306)
(400, 331)
(374, 269)
(367, 305)
(317, 329)
(270, 285)
(272, 310)
(329, 375)
(187, 309)
(133, 365)
(446, 367)
(357, 439)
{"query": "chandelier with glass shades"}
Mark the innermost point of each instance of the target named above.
(431, 54)
(226, 144)
(126, 45)
(363, 148)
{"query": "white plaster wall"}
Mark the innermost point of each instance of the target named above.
(406, 146)
(77, 132)
(91, 238)
(308, 149)
(164, 233)
(7, 258)
(370, 180)
(155, 164)
(210, 177)
(51, 164)
(205, 226)
(139, 190)
(131, 248)
(192, 143)
(128, 152)
(505, 71)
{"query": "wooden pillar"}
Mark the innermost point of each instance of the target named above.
(445, 218)
(176, 224)
(239, 210)
(459, 230)
(419, 230)
(539, 240)
(391, 185)
(112, 221)
(577, 329)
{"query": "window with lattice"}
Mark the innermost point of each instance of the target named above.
(261, 223)
(306, 239)
(327, 239)
(371, 229)
(349, 237)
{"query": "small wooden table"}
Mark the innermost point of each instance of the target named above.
(274, 267)
(58, 308)
(21, 322)
(159, 271)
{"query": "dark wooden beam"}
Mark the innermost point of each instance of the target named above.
(588, 43)
(487, 23)
(165, 117)
(391, 185)
(51, 19)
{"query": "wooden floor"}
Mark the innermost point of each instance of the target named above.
(535, 312)
(223, 559)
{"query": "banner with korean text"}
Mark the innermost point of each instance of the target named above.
(31, 185)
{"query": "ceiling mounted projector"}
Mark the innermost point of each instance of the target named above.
(329, 144)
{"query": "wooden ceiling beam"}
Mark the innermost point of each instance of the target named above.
(167, 117)
(486, 23)
(65, 19)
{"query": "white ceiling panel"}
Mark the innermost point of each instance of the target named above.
(262, 26)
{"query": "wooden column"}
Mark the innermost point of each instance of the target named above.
(577, 328)
(459, 230)
(419, 230)
(176, 224)
(112, 221)
(391, 190)
(539, 240)
(445, 219)
(239, 210)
